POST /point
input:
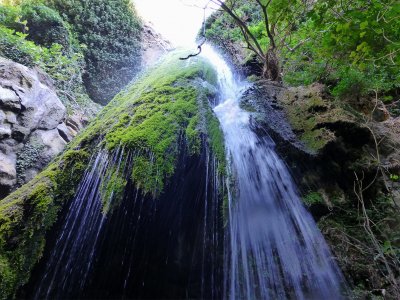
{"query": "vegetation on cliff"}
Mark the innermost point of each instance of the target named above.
(349, 45)
(91, 46)
(152, 119)
(110, 32)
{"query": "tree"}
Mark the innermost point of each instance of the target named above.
(269, 36)
(111, 33)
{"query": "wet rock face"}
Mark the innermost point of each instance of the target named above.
(153, 45)
(33, 124)
(326, 144)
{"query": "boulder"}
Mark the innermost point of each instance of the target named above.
(33, 124)
(9, 100)
(8, 173)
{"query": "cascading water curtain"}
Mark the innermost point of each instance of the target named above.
(273, 248)
(113, 241)
(72, 256)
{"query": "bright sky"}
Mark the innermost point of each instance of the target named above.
(177, 20)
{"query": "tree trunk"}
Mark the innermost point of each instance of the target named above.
(271, 69)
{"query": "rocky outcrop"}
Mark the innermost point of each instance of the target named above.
(34, 126)
(154, 45)
(345, 157)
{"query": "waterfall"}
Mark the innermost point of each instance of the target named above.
(73, 254)
(176, 246)
(273, 248)
(140, 247)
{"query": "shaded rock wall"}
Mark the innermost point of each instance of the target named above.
(328, 144)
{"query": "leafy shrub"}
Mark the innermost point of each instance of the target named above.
(16, 48)
(352, 83)
(313, 198)
(10, 16)
(45, 26)
(350, 45)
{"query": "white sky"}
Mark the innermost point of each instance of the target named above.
(177, 20)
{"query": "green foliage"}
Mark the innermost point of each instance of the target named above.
(353, 83)
(42, 24)
(350, 45)
(394, 177)
(313, 198)
(111, 32)
(45, 26)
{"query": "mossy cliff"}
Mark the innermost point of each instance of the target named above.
(152, 118)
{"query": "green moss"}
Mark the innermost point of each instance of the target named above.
(192, 135)
(310, 112)
(112, 189)
(313, 198)
(151, 116)
(27, 214)
(216, 140)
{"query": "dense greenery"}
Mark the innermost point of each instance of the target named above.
(100, 42)
(350, 45)
(111, 33)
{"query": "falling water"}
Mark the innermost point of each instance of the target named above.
(274, 249)
(169, 247)
(73, 253)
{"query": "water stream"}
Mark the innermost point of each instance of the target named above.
(273, 248)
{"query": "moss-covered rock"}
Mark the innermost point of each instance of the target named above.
(310, 111)
(150, 119)
(27, 214)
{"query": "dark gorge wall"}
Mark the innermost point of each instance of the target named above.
(169, 247)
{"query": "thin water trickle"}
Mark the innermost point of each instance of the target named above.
(273, 247)
(73, 253)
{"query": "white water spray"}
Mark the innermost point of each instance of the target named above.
(274, 249)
